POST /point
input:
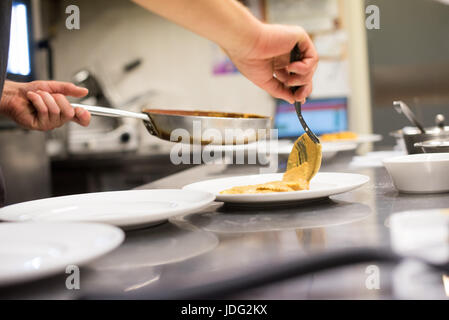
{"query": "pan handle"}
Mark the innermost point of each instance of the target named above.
(113, 113)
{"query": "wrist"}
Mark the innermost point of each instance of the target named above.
(244, 32)
(10, 90)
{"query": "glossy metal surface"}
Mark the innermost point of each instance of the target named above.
(195, 126)
(223, 242)
(231, 128)
(434, 146)
(413, 135)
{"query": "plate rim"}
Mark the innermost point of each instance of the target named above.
(268, 197)
(127, 220)
(115, 235)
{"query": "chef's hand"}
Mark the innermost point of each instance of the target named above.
(258, 50)
(266, 61)
(42, 105)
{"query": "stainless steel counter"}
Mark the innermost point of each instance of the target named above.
(223, 242)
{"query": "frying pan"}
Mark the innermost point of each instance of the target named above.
(233, 128)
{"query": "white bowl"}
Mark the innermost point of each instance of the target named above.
(420, 173)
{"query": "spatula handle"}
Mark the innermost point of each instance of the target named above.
(295, 55)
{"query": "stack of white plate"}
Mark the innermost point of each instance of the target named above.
(72, 230)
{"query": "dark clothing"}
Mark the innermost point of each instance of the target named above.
(2, 190)
(5, 24)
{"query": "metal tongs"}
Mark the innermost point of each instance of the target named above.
(296, 55)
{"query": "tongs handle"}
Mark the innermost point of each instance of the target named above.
(401, 107)
(110, 112)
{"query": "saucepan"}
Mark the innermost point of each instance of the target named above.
(418, 134)
(434, 146)
(412, 136)
(201, 127)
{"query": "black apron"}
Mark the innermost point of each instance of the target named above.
(5, 24)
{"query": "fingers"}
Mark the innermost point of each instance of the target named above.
(67, 111)
(304, 66)
(303, 92)
(82, 117)
(301, 72)
(41, 120)
(295, 80)
(281, 75)
(277, 89)
(67, 89)
(54, 110)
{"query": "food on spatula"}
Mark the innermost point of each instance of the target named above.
(303, 163)
(344, 135)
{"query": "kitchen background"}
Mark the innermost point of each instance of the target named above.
(133, 59)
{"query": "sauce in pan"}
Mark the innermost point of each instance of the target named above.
(214, 114)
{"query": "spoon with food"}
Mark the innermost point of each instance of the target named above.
(303, 162)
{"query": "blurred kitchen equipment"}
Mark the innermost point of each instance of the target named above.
(409, 136)
(440, 120)
(401, 107)
(433, 146)
(104, 135)
(420, 173)
(230, 128)
(413, 135)
(85, 78)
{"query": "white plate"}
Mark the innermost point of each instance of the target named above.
(126, 209)
(33, 250)
(322, 185)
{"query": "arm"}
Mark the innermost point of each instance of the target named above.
(42, 105)
(260, 51)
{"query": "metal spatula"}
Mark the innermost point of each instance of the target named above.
(296, 55)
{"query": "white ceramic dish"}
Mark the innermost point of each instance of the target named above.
(127, 209)
(420, 173)
(30, 251)
(322, 185)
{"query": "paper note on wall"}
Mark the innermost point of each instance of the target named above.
(322, 19)
(313, 15)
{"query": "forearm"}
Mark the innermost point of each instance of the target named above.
(226, 22)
